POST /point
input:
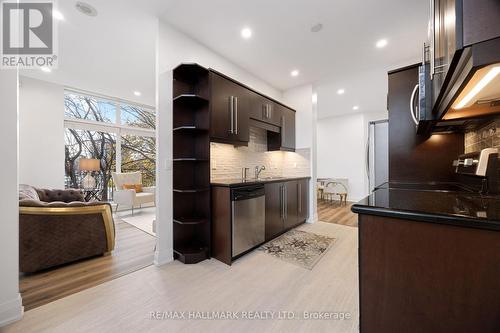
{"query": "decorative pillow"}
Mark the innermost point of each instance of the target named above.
(27, 192)
(136, 187)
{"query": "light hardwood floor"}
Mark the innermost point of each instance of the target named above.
(134, 250)
(333, 212)
(255, 282)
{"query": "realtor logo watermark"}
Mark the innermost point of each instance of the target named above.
(28, 34)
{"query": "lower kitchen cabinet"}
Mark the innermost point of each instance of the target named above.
(286, 206)
(303, 199)
(274, 210)
(291, 209)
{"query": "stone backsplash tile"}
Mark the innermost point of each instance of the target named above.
(226, 161)
(487, 136)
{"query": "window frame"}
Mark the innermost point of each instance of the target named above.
(115, 127)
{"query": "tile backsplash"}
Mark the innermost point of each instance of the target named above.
(488, 136)
(226, 161)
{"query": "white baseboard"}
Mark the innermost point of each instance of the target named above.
(161, 259)
(11, 311)
(313, 218)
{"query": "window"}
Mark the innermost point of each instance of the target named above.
(139, 154)
(121, 135)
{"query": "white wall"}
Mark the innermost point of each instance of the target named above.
(112, 54)
(11, 308)
(300, 98)
(41, 133)
(341, 143)
(176, 47)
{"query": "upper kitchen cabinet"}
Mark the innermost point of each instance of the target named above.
(464, 58)
(230, 109)
(285, 139)
(265, 110)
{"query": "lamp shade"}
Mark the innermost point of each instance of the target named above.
(90, 164)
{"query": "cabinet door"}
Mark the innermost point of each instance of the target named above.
(287, 128)
(274, 209)
(230, 104)
(291, 204)
(445, 41)
(303, 200)
(265, 110)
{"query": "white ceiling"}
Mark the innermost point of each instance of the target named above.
(114, 53)
(282, 40)
(111, 54)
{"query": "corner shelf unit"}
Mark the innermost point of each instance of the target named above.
(191, 163)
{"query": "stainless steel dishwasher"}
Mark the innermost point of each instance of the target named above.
(248, 204)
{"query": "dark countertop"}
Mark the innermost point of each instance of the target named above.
(445, 203)
(240, 182)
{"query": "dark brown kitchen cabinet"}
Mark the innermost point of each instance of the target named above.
(274, 210)
(456, 25)
(230, 109)
(291, 209)
(302, 200)
(265, 110)
(285, 139)
(286, 206)
(287, 129)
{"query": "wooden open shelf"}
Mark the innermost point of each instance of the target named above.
(191, 167)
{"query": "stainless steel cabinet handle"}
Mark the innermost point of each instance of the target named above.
(300, 197)
(286, 202)
(231, 111)
(433, 38)
(412, 108)
(281, 202)
(282, 128)
(236, 115)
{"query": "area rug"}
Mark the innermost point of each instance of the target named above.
(298, 247)
(142, 219)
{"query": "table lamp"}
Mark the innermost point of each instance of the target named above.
(89, 165)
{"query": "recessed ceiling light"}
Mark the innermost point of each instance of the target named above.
(340, 91)
(86, 9)
(57, 15)
(355, 107)
(317, 27)
(246, 33)
(45, 69)
(294, 72)
(137, 93)
(381, 43)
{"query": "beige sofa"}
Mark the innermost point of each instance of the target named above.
(128, 197)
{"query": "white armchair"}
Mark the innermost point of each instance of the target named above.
(129, 197)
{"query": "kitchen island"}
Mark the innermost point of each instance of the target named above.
(429, 260)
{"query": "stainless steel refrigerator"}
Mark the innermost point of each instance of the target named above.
(377, 151)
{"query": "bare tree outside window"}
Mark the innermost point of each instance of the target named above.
(138, 153)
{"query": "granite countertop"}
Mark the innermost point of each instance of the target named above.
(445, 203)
(239, 182)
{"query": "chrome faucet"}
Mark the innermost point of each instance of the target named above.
(244, 172)
(258, 170)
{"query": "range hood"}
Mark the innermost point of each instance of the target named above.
(474, 88)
